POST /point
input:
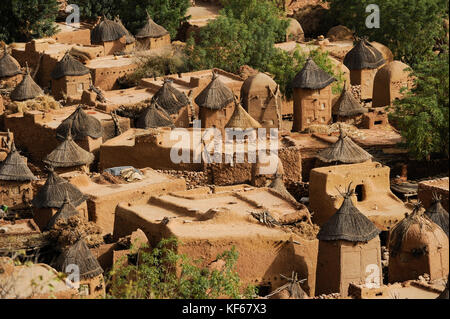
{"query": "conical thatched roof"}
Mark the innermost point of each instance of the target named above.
(106, 31)
(348, 223)
(215, 96)
(347, 105)
(66, 211)
(438, 214)
(81, 124)
(68, 154)
(154, 117)
(54, 191)
(80, 255)
(312, 77)
(278, 186)
(293, 287)
(241, 119)
(69, 66)
(129, 38)
(363, 56)
(169, 98)
(344, 151)
(14, 168)
(8, 66)
(400, 230)
(151, 30)
(27, 89)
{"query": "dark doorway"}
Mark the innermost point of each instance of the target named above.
(359, 191)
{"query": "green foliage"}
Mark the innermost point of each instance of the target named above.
(168, 13)
(409, 28)
(162, 273)
(22, 21)
(423, 114)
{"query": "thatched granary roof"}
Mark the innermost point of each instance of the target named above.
(154, 117)
(347, 105)
(66, 211)
(278, 186)
(54, 191)
(69, 66)
(414, 230)
(292, 287)
(68, 154)
(14, 168)
(312, 77)
(169, 98)
(106, 31)
(240, 119)
(80, 255)
(151, 30)
(363, 56)
(129, 38)
(348, 223)
(344, 151)
(81, 125)
(438, 214)
(8, 66)
(215, 96)
(27, 89)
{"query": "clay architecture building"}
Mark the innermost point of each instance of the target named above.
(51, 196)
(70, 78)
(389, 82)
(261, 98)
(66, 211)
(10, 72)
(312, 97)
(83, 127)
(427, 190)
(91, 282)
(130, 41)
(174, 102)
(154, 117)
(241, 120)
(344, 151)
(216, 104)
(363, 62)
(27, 89)
(438, 214)
(69, 156)
(152, 36)
(347, 109)
(417, 246)
(109, 34)
(348, 245)
(16, 190)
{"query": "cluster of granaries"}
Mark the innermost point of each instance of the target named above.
(348, 241)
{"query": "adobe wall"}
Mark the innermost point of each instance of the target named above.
(439, 186)
(112, 47)
(12, 81)
(378, 203)
(70, 86)
(76, 36)
(106, 77)
(216, 118)
(153, 43)
(263, 108)
(42, 216)
(311, 107)
(364, 78)
(16, 195)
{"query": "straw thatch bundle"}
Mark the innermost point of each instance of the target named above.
(27, 89)
(347, 105)
(129, 38)
(438, 214)
(80, 125)
(69, 66)
(170, 99)
(344, 151)
(348, 223)
(106, 31)
(363, 56)
(312, 77)
(68, 154)
(42, 103)
(240, 119)
(278, 186)
(14, 168)
(151, 30)
(66, 211)
(215, 96)
(9, 66)
(54, 191)
(154, 117)
(80, 255)
(292, 287)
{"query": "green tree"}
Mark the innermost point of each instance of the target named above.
(410, 28)
(22, 21)
(163, 273)
(422, 116)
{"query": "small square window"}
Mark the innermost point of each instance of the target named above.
(84, 290)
